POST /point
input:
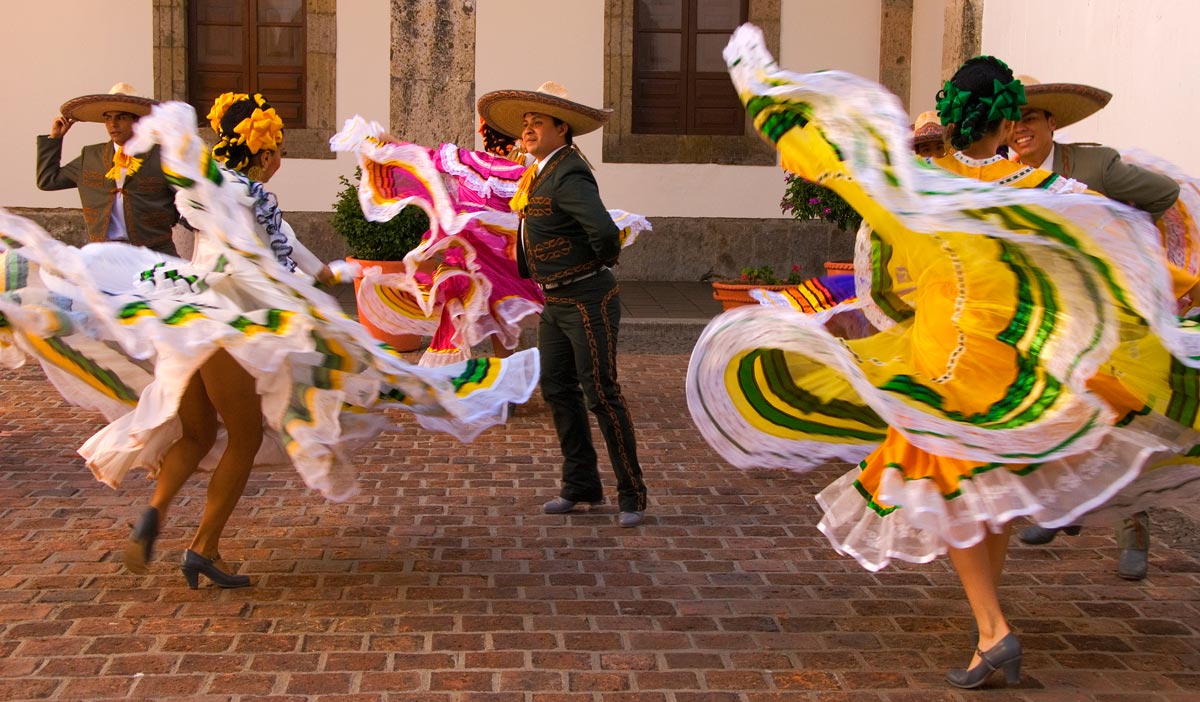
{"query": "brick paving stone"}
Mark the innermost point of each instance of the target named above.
(442, 581)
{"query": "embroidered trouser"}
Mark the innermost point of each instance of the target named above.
(577, 339)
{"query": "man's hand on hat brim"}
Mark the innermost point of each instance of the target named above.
(60, 126)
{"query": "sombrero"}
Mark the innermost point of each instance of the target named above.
(504, 110)
(928, 128)
(121, 98)
(1066, 102)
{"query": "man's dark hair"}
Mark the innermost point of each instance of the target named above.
(557, 122)
(1045, 113)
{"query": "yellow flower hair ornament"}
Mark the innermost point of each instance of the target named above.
(262, 130)
(221, 106)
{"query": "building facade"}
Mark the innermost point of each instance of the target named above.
(673, 151)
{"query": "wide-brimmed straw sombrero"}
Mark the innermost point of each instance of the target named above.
(928, 128)
(1066, 102)
(121, 98)
(504, 110)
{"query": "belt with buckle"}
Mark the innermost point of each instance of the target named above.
(568, 281)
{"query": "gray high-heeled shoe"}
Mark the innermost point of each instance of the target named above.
(194, 564)
(140, 548)
(1005, 654)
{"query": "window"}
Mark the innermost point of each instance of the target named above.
(304, 93)
(680, 84)
(248, 46)
(739, 145)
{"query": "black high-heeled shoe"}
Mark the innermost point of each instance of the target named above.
(194, 564)
(1005, 654)
(141, 542)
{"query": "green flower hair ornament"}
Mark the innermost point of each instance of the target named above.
(1006, 100)
(951, 102)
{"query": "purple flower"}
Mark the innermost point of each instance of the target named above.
(814, 201)
(826, 211)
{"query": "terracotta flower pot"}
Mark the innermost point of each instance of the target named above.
(400, 342)
(732, 295)
(839, 267)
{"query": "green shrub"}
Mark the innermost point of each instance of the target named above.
(376, 241)
(805, 199)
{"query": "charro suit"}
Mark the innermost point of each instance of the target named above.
(567, 236)
(149, 201)
(1101, 169)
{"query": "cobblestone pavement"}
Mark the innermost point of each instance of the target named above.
(443, 581)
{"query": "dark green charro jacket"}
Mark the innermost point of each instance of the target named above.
(149, 199)
(1100, 168)
(566, 232)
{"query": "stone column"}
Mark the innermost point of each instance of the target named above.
(433, 72)
(321, 71)
(170, 50)
(895, 47)
(963, 35)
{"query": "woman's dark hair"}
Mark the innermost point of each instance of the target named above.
(230, 147)
(967, 101)
(495, 142)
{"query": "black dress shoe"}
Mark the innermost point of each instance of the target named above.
(141, 542)
(561, 505)
(630, 519)
(1038, 535)
(194, 564)
(1005, 654)
(1132, 563)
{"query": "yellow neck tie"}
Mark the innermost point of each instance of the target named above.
(521, 198)
(123, 162)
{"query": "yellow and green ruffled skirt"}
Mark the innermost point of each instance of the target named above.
(1028, 362)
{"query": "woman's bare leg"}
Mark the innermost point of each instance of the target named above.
(978, 575)
(498, 349)
(199, 423)
(231, 391)
(199, 429)
(998, 550)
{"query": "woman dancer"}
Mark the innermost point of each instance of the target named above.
(978, 401)
(464, 272)
(237, 343)
(220, 391)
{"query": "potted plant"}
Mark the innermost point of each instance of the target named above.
(382, 244)
(805, 199)
(735, 293)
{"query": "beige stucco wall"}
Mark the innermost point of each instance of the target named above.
(820, 35)
(1143, 52)
(928, 21)
(46, 64)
